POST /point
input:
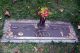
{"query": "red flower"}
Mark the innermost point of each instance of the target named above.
(45, 14)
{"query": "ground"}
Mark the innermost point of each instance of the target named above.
(26, 9)
(38, 48)
(34, 48)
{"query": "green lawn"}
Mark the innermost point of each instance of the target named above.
(47, 48)
(24, 9)
(27, 9)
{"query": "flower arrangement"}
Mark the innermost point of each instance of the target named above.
(44, 12)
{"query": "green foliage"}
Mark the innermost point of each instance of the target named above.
(23, 9)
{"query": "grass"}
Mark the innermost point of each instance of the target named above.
(1, 28)
(27, 9)
(47, 48)
(23, 9)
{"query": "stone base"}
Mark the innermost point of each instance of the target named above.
(20, 31)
